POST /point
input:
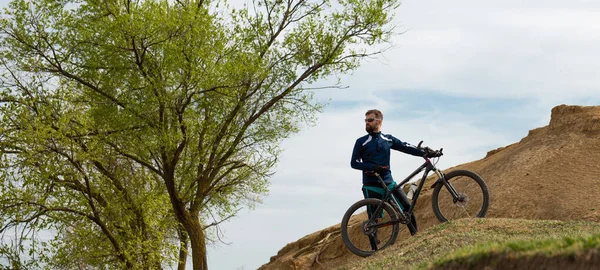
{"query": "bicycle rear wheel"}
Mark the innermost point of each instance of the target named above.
(363, 236)
(473, 197)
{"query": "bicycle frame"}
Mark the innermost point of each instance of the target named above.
(391, 208)
(428, 167)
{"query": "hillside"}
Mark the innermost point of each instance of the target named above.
(551, 174)
(495, 243)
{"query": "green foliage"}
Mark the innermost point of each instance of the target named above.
(132, 128)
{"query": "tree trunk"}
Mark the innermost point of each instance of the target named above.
(195, 234)
(198, 244)
(183, 248)
(189, 221)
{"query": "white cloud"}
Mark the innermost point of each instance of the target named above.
(514, 49)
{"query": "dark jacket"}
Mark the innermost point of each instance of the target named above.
(374, 149)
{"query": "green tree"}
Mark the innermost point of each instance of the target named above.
(131, 128)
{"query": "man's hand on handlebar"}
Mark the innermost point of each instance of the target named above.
(430, 153)
(433, 153)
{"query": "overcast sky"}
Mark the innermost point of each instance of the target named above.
(469, 76)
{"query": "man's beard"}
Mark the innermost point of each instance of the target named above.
(369, 129)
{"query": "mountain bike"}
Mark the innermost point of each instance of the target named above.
(370, 225)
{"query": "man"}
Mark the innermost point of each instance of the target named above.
(372, 154)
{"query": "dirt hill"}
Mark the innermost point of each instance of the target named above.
(551, 174)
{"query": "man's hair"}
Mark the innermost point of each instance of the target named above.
(378, 113)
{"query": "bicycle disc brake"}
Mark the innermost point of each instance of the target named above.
(462, 200)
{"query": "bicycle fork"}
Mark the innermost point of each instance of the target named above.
(449, 187)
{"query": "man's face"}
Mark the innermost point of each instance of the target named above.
(372, 123)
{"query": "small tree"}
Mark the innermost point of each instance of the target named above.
(129, 128)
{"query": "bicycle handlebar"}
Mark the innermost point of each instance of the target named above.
(430, 152)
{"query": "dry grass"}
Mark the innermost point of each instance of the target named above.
(466, 243)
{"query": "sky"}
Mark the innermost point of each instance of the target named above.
(466, 75)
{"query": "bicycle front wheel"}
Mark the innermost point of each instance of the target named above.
(472, 199)
(363, 235)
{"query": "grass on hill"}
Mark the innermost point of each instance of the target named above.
(470, 243)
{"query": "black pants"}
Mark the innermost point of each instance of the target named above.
(402, 199)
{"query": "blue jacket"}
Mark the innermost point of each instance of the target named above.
(374, 149)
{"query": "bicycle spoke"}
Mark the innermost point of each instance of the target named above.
(363, 235)
(472, 200)
(466, 212)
